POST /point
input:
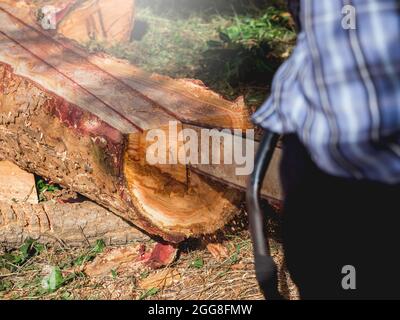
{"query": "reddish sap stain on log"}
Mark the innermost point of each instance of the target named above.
(86, 124)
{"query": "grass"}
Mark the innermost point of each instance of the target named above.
(234, 52)
(35, 271)
(248, 52)
(206, 8)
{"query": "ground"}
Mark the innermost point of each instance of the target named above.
(180, 44)
(196, 274)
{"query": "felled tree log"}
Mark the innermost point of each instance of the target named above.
(78, 224)
(67, 119)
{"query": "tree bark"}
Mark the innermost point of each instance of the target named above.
(78, 224)
(66, 118)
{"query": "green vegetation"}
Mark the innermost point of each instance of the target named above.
(197, 263)
(53, 281)
(186, 8)
(149, 293)
(233, 48)
(250, 49)
(90, 255)
(13, 261)
(43, 187)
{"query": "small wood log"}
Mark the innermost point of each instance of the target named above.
(77, 224)
(16, 185)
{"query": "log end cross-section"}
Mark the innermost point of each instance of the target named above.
(196, 205)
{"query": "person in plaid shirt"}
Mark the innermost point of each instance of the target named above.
(336, 101)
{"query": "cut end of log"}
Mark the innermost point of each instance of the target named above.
(180, 204)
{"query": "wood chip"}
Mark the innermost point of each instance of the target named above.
(16, 185)
(218, 251)
(118, 259)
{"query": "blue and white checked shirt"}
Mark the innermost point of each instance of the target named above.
(340, 89)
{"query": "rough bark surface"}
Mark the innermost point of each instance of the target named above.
(78, 224)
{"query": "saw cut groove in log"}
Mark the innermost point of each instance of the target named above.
(65, 118)
(78, 224)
